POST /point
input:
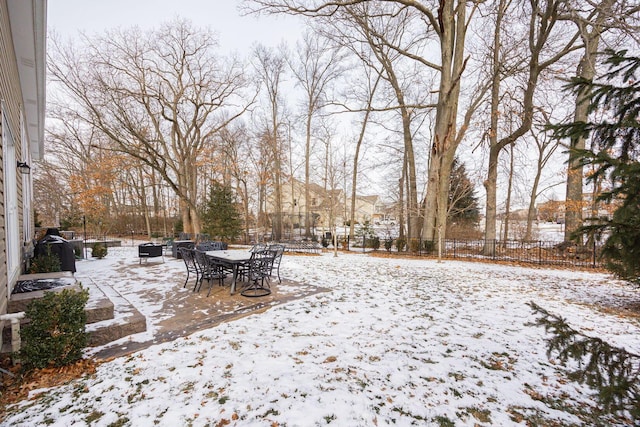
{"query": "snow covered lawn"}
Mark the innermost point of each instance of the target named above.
(397, 342)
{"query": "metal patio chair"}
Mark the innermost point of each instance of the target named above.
(188, 257)
(259, 274)
(210, 270)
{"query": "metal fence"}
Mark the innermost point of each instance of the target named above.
(531, 252)
(538, 252)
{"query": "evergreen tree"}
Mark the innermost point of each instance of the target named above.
(463, 203)
(614, 157)
(220, 218)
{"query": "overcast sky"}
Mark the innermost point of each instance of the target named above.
(235, 32)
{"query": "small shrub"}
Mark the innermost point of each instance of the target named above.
(325, 242)
(45, 263)
(345, 243)
(429, 246)
(55, 335)
(414, 245)
(388, 244)
(99, 250)
(374, 242)
(77, 252)
(401, 244)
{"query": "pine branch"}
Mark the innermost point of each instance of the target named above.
(613, 372)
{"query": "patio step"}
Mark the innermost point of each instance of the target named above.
(126, 319)
(109, 315)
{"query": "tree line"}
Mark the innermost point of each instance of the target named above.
(149, 121)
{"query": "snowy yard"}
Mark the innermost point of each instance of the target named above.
(396, 342)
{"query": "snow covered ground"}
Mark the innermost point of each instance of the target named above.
(396, 342)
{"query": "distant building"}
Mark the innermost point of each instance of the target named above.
(326, 207)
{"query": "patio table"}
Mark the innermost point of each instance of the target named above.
(235, 258)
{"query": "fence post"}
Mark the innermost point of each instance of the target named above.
(540, 252)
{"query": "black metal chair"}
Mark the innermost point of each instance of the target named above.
(205, 246)
(190, 262)
(258, 247)
(278, 258)
(259, 273)
(209, 270)
(217, 270)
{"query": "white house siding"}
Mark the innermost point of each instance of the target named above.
(11, 96)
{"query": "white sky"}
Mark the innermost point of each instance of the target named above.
(235, 32)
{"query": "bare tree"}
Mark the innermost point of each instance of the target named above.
(370, 32)
(317, 64)
(592, 22)
(447, 22)
(379, 36)
(546, 147)
(544, 20)
(235, 149)
(270, 68)
(160, 97)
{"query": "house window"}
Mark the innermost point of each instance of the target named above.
(12, 238)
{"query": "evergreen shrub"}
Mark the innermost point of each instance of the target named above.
(374, 242)
(99, 250)
(429, 246)
(55, 335)
(45, 263)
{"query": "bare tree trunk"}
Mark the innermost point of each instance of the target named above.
(356, 156)
(451, 29)
(586, 70)
(270, 68)
(543, 142)
(307, 174)
(401, 233)
(316, 67)
(507, 206)
(143, 202)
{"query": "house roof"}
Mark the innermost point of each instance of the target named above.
(28, 21)
(370, 199)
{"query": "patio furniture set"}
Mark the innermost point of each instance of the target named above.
(214, 263)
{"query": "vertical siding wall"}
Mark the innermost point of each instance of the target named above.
(10, 93)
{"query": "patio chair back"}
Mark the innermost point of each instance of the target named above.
(260, 268)
(262, 264)
(217, 246)
(206, 246)
(209, 270)
(190, 262)
(211, 246)
(201, 261)
(258, 247)
(279, 249)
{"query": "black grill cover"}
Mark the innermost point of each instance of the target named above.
(60, 247)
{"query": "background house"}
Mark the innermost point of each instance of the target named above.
(22, 98)
(327, 208)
